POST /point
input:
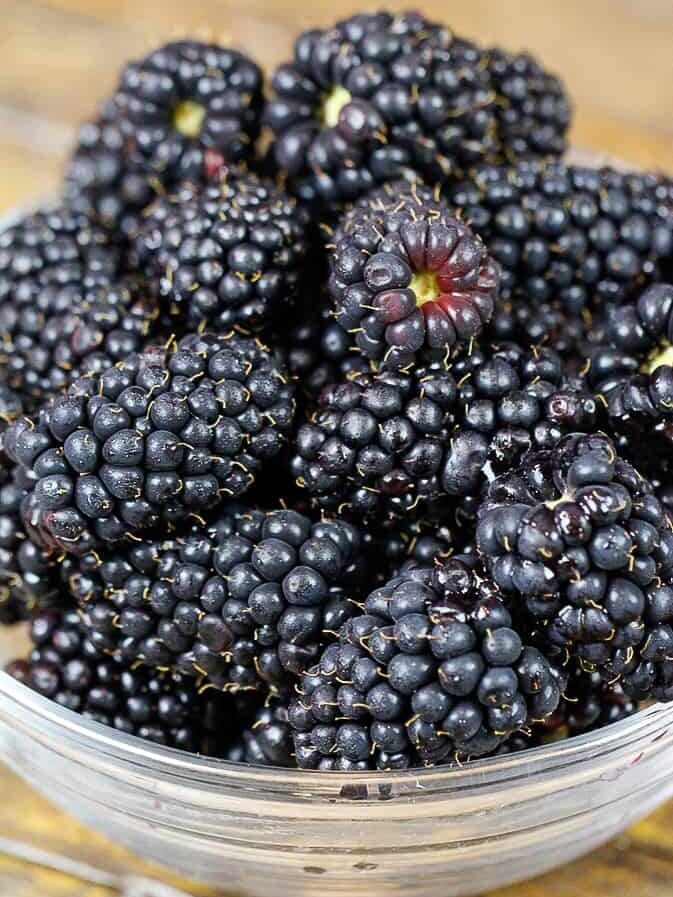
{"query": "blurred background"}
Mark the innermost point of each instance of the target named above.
(59, 57)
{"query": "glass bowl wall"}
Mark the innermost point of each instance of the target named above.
(268, 832)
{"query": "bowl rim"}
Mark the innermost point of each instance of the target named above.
(478, 773)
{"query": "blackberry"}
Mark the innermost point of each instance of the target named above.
(511, 399)
(170, 710)
(377, 97)
(638, 412)
(109, 324)
(579, 537)
(64, 307)
(27, 576)
(407, 276)
(580, 237)
(431, 671)
(106, 178)
(533, 108)
(231, 253)
(541, 324)
(378, 443)
(267, 741)
(632, 372)
(650, 676)
(178, 114)
(250, 600)
(316, 351)
(159, 438)
(642, 329)
(588, 703)
(395, 542)
(405, 444)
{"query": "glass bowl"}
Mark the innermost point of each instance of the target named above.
(268, 832)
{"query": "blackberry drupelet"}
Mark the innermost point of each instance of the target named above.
(578, 536)
(63, 306)
(580, 237)
(431, 671)
(378, 443)
(267, 741)
(170, 710)
(377, 97)
(161, 437)
(407, 278)
(250, 600)
(229, 254)
(179, 114)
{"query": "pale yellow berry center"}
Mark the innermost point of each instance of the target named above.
(188, 118)
(334, 101)
(424, 284)
(664, 356)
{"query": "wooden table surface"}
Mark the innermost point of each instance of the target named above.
(57, 57)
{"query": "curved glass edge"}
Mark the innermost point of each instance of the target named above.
(33, 707)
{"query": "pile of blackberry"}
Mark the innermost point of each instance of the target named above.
(349, 448)
(158, 707)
